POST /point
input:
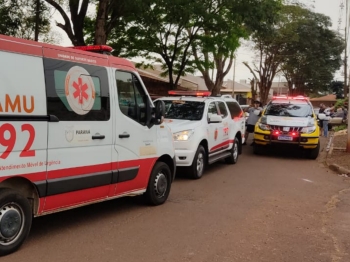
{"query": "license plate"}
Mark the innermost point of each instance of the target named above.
(285, 138)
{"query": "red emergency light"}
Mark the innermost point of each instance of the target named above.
(290, 97)
(189, 93)
(276, 132)
(94, 48)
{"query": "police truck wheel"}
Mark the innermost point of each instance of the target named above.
(198, 165)
(233, 158)
(159, 184)
(313, 153)
(257, 149)
(15, 220)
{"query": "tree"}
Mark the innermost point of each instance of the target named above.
(269, 44)
(157, 31)
(78, 10)
(337, 88)
(25, 19)
(187, 35)
(313, 56)
(95, 29)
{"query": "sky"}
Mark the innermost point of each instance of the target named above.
(330, 8)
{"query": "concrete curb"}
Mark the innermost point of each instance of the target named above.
(332, 166)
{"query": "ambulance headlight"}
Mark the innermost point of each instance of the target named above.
(183, 135)
(308, 129)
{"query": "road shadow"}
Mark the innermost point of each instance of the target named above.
(91, 215)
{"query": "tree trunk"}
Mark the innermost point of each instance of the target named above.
(101, 20)
(37, 21)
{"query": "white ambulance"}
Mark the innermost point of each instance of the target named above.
(76, 128)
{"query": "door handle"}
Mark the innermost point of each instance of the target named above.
(98, 137)
(125, 135)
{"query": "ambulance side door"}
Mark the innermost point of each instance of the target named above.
(80, 141)
(134, 142)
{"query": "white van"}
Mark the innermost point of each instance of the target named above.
(76, 128)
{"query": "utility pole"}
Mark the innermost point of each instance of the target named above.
(347, 94)
(233, 77)
(345, 66)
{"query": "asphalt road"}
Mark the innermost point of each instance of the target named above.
(272, 208)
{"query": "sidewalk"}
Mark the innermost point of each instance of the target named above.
(337, 159)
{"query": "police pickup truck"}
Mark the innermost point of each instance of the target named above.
(205, 129)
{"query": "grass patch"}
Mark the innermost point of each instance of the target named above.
(339, 128)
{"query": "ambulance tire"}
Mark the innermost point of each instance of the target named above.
(14, 207)
(159, 185)
(313, 153)
(233, 158)
(196, 170)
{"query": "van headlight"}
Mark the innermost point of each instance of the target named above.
(264, 127)
(183, 135)
(308, 129)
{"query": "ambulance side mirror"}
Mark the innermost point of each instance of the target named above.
(156, 113)
(159, 111)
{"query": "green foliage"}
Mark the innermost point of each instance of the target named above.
(313, 55)
(337, 88)
(18, 18)
(341, 103)
(339, 128)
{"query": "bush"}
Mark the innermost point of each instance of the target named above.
(339, 128)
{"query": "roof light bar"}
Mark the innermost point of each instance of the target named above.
(189, 93)
(94, 48)
(290, 97)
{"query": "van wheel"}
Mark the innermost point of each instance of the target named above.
(196, 170)
(233, 158)
(313, 153)
(15, 220)
(159, 184)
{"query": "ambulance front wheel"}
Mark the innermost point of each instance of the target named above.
(159, 184)
(15, 220)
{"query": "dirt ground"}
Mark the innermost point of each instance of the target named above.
(338, 155)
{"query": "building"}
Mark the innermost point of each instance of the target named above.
(328, 100)
(242, 91)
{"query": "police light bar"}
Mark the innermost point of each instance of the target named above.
(280, 97)
(94, 48)
(301, 97)
(290, 97)
(189, 93)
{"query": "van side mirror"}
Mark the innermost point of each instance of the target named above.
(158, 112)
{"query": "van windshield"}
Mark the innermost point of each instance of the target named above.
(287, 109)
(186, 110)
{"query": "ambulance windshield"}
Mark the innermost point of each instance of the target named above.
(186, 110)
